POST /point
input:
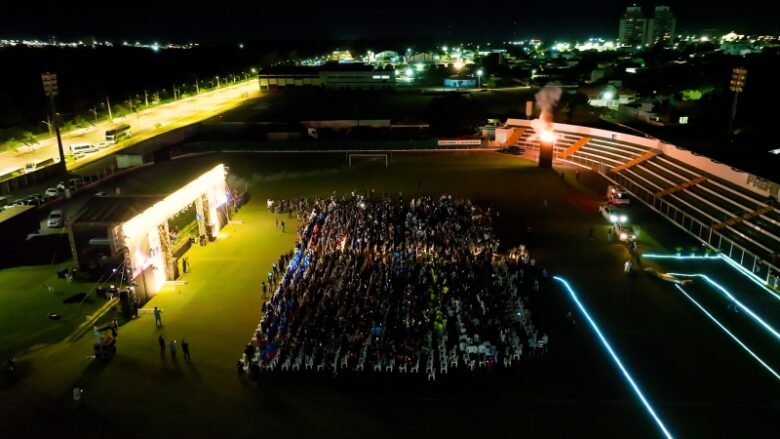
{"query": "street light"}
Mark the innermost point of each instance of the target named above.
(49, 125)
(480, 72)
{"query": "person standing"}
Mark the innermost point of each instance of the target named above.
(277, 223)
(77, 393)
(282, 226)
(96, 332)
(161, 341)
(157, 316)
(173, 349)
(185, 348)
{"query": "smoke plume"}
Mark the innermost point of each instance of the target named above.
(546, 99)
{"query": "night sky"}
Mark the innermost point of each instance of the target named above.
(284, 20)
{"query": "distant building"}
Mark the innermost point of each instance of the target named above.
(356, 76)
(660, 28)
(611, 96)
(460, 81)
(633, 27)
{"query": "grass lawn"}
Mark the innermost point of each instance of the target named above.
(575, 391)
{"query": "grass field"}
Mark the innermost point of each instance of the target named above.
(700, 382)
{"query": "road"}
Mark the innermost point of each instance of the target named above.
(143, 125)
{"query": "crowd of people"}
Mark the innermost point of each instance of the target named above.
(378, 283)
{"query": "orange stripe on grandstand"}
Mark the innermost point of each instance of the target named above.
(517, 133)
(681, 186)
(635, 161)
(574, 148)
(745, 216)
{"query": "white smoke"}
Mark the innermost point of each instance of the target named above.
(546, 99)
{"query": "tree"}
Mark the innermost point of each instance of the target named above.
(28, 138)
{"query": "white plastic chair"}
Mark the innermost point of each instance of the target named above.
(432, 375)
(390, 366)
(378, 366)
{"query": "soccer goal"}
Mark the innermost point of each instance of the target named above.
(380, 155)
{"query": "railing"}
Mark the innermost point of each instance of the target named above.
(705, 233)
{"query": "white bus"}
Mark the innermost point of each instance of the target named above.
(117, 133)
(82, 148)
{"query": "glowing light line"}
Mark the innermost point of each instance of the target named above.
(727, 294)
(720, 256)
(766, 366)
(680, 257)
(752, 276)
(614, 357)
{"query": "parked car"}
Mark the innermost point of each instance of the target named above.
(513, 150)
(34, 200)
(51, 193)
(73, 183)
(613, 214)
(55, 219)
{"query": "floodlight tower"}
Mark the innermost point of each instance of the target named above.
(738, 76)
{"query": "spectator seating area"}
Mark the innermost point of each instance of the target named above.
(685, 194)
(377, 284)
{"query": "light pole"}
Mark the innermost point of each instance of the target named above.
(49, 125)
(108, 106)
(51, 88)
(738, 76)
(480, 72)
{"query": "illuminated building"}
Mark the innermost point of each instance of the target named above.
(633, 27)
(660, 28)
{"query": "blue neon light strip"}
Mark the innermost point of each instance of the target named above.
(766, 366)
(614, 357)
(747, 273)
(680, 257)
(752, 276)
(732, 298)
